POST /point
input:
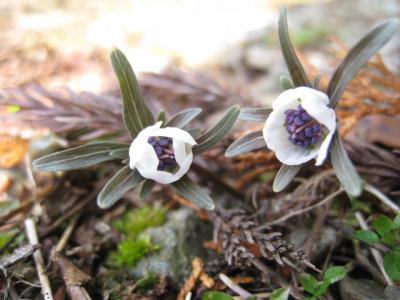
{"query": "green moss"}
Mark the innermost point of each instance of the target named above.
(136, 245)
(137, 220)
(131, 250)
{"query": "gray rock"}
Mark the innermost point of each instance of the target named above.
(180, 240)
(325, 239)
(361, 289)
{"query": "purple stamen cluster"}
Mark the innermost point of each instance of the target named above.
(304, 131)
(165, 152)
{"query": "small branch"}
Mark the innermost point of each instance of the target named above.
(234, 287)
(301, 211)
(38, 258)
(381, 196)
(375, 253)
(66, 235)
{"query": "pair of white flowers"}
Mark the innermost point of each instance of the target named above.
(299, 128)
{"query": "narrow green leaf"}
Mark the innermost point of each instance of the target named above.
(382, 225)
(309, 283)
(249, 142)
(78, 157)
(181, 119)
(316, 82)
(391, 263)
(191, 191)
(216, 295)
(284, 176)
(123, 181)
(161, 117)
(194, 132)
(367, 236)
(136, 114)
(218, 131)
(254, 114)
(286, 83)
(122, 153)
(146, 188)
(295, 68)
(345, 170)
(280, 294)
(358, 56)
(334, 274)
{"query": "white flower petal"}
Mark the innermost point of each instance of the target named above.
(175, 133)
(315, 105)
(143, 156)
(276, 138)
(139, 144)
(323, 149)
(276, 135)
(287, 99)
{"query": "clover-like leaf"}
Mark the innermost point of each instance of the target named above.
(345, 170)
(254, 114)
(309, 283)
(358, 56)
(367, 236)
(181, 119)
(383, 224)
(136, 113)
(334, 274)
(191, 191)
(216, 295)
(78, 157)
(280, 294)
(285, 176)
(391, 263)
(249, 142)
(213, 135)
(123, 181)
(294, 66)
(146, 188)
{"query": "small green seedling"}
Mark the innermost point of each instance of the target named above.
(318, 288)
(385, 231)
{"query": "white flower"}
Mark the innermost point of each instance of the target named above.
(173, 159)
(300, 126)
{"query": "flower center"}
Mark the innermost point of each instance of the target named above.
(165, 152)
(304, 131)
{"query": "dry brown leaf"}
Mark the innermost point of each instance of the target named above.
(12, 151)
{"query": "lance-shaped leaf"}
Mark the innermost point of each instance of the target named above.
(161, 116)
(249, 142)
(194, 132)
(122, 153)
(345, 170)
(218, 131)
(191, 191)
(78, 157)
(254, 114)
(181, 119)
(295, 68)
(136, 114)
(285, 176)
(123, 181)
(146, 188)
(358, 56)
(285, 82)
